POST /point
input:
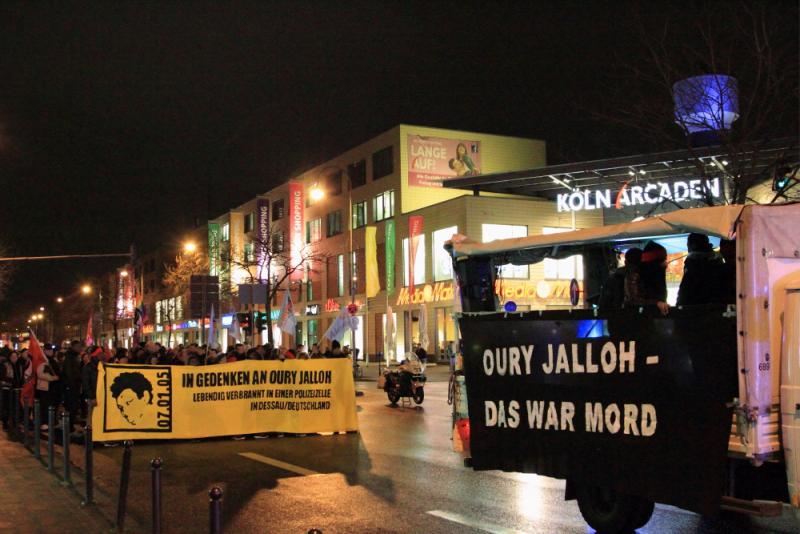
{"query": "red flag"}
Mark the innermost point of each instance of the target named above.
(89, 336)
(37, 358)
(414, 231)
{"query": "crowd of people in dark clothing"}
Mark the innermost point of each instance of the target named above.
(708, 277)
(68, 380)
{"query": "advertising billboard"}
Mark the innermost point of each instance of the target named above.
(432, 160)
(296, 228)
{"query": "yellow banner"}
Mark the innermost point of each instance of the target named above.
(371, 261)
(175, 401)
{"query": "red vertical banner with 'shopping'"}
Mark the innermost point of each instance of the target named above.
(414, 232)
(296, 229)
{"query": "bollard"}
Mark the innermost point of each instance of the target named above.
(26, 415)
(51, 428)
(88, 465)
(215, 510)
(37, 423)
(155, 470)
(124, 477)
(65, 428)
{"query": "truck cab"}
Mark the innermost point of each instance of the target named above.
(697, 406)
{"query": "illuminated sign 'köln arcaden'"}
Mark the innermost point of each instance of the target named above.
(639, 195)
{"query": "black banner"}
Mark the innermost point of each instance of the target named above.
(631, 400)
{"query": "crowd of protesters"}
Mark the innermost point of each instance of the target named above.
(68, 380)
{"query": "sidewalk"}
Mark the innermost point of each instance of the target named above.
(32, 500)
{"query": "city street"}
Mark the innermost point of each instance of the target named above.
(398, 475)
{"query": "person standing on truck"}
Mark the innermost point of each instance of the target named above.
(701, 283)
(612, 296)
(646, 284)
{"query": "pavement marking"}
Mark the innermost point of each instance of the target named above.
(277, 463)
(651, 360)
(474, 523)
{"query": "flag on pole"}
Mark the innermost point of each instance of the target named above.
(235, 329)
(390, 238)
(371, 257)
(89, 336)
(423, 327)
(414, 232)
(388, 333)
(212, 334)
(287, 321)
(339, 327)
(37, 358)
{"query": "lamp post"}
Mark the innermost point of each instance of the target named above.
(190, 247)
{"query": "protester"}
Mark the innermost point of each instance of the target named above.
(89, 380)
(335, 351)
(612, 295)
(45, 379)
(646, 284)
(701, 273)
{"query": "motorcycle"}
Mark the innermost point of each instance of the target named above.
(407, 380)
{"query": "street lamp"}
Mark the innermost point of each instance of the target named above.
(59, 300)
(86, 289)
(123, 273)
(316, 193)
(190, 247)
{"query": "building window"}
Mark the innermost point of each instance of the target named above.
(442, 264)
(492, 232)
(383, 206)
(419, 262)
(249, 222)
(334, 223)
(333, 183)
(382, 163)
(359, 214)
(340, 280)
(277, 242)
(249, 253)
(277, 210)
(313, 231)
(226, 232)
(357, 172)
(309, 283)
(565, 269)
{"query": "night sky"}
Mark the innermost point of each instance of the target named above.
(123, 123)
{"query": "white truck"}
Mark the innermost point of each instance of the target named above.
(699, 408)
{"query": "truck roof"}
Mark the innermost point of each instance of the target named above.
(717, 221)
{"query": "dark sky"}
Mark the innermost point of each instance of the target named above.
(127, 121)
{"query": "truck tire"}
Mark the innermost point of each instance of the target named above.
(609, 512)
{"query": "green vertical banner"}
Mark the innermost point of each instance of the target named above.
(390, 257)
(213, 249)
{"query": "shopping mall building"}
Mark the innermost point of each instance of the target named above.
(326, 217)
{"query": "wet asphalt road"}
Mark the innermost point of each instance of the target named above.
(398, 475)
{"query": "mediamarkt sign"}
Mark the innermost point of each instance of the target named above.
(639, 195)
